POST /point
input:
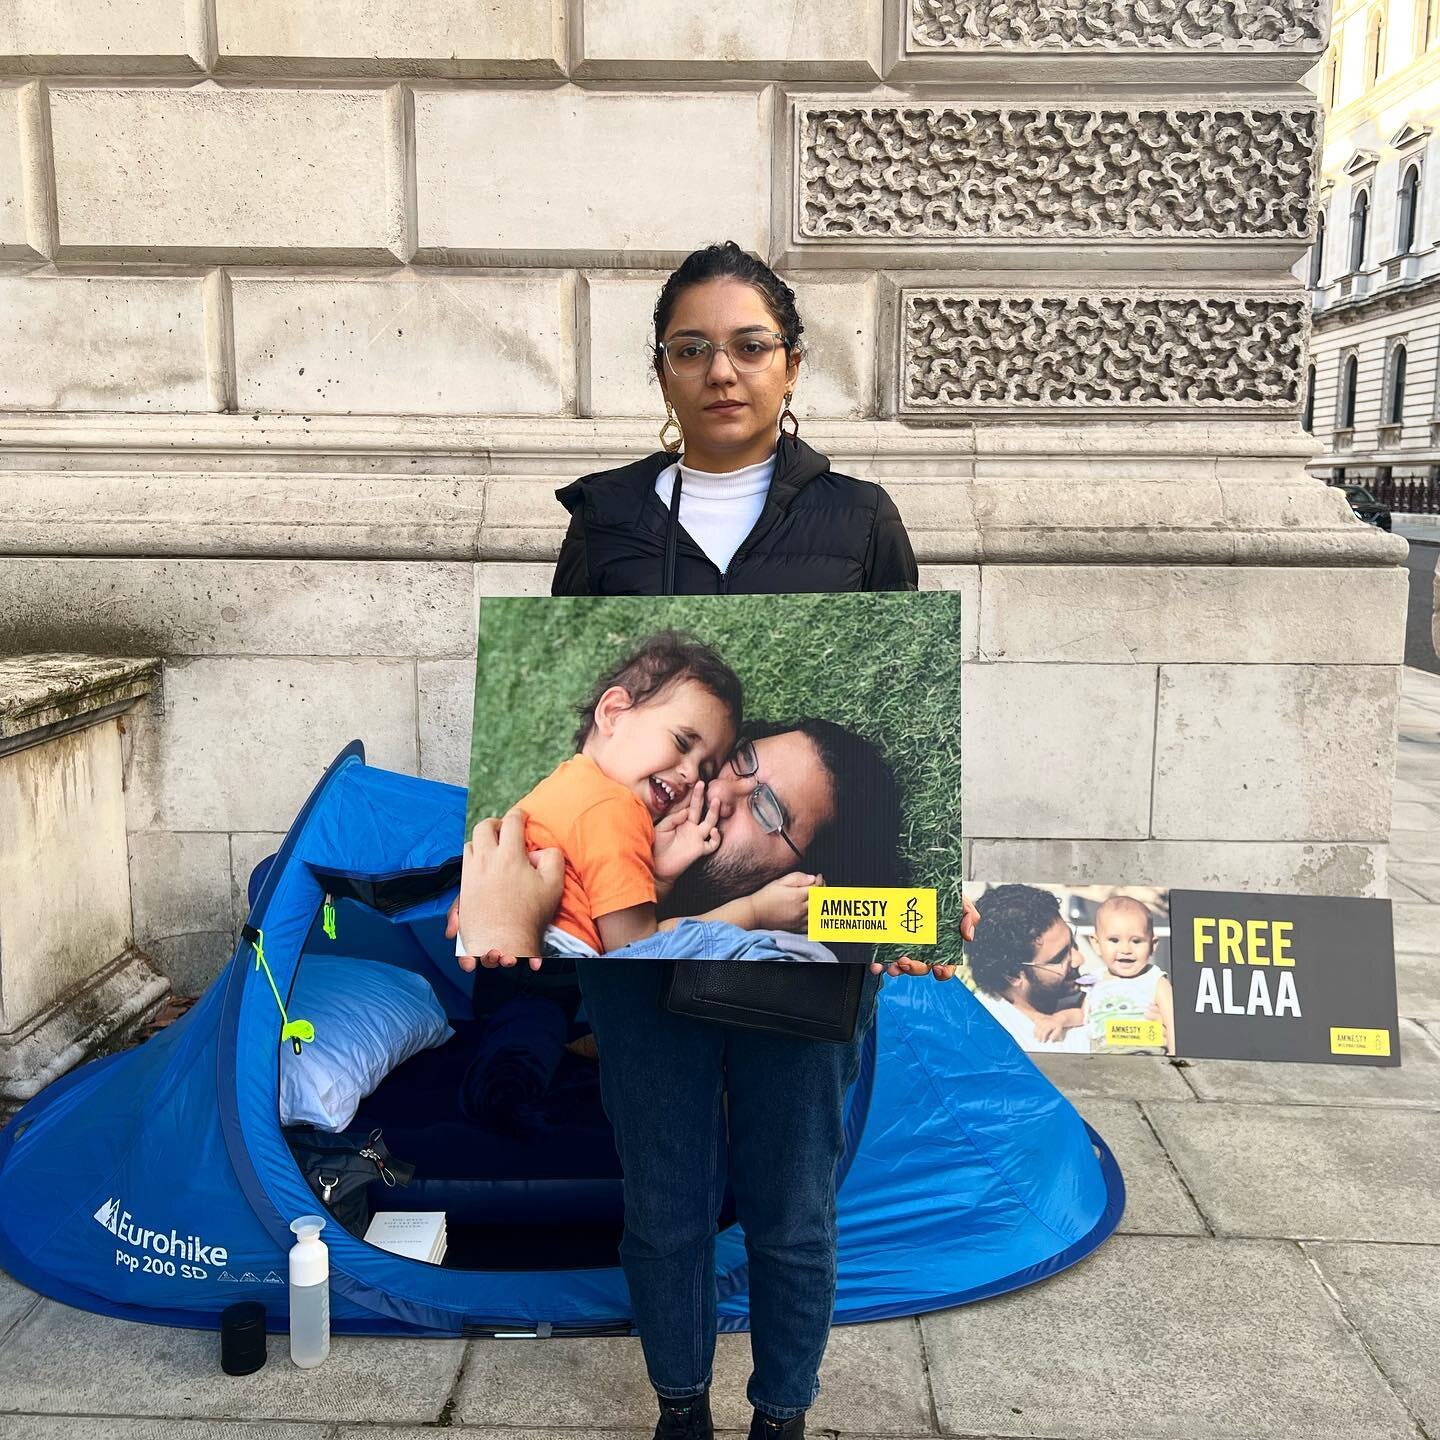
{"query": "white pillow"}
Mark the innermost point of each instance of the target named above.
(368, 1017)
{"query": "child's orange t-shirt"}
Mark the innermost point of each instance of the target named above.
(606, 836)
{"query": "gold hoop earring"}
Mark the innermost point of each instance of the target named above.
(671, 446)
(787, 412)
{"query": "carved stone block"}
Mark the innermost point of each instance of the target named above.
(942, 174)
(964, 352)
(1222, 25)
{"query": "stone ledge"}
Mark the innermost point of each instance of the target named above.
(318, 517)
(1170, 491)
(103, 1011)
(45, 695)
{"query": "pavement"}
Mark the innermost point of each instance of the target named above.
(1276, 1276)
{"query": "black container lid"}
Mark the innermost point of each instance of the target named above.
(242, 1337)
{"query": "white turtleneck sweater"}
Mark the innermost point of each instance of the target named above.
(718, 511)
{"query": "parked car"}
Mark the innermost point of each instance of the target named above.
(1367, 507)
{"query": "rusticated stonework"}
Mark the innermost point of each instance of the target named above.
(945, 173)
(964, 352)
(1020, 25)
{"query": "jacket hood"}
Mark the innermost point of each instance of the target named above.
(796, 465)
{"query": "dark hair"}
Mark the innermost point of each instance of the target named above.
(727, 261)
(860, 845)
(1013, 918)
(662, 660)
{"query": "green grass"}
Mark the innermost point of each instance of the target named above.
(885, 665)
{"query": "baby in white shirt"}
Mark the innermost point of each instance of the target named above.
(1133, 986)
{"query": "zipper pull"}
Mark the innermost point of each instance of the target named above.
(327, 919)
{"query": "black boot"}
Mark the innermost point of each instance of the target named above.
(763, 1428)
(685, 1419)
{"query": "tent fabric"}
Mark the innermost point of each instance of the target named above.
(157, 1185)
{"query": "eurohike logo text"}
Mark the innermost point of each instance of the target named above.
(170, 1244)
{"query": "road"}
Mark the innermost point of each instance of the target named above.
(1419, 651)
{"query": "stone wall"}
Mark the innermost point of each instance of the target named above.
(313, 307)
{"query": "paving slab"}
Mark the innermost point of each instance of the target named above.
(49, 1366)
(488, 1432)
(1114, 1077)
(1407, 789)
(15, 1301)
(599, 1382)
(1165, 1338)
(1413, 847)
(1391, 1294)
(1399, 890)
(1414, 1082)
(1312, 1172)
(1424, 878)
(872, 1379)
(97, 1427)
(1417, 926)
(1155, 1200)
(1417, 988)
(872, 1382)
(1415, 814)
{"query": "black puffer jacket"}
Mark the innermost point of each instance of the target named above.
(819, 532)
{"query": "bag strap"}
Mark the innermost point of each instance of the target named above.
(672, 537)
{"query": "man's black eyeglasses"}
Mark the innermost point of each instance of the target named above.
(769, 813)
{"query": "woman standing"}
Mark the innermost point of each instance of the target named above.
(745, 507)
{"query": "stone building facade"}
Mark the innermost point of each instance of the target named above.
(311, 307)
(1373, 271)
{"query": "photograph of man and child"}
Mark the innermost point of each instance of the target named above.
(1075, 969)
(701, 762)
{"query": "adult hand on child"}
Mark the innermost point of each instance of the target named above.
(686, 834)
(906, 965)
(507, 895)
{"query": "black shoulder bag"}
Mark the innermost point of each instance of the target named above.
(812, 1001)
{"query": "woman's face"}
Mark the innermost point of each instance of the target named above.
(729, 416)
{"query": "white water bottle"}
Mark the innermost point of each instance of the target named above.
(309, 1293)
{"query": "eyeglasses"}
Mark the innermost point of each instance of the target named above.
(691, 356)
(769, 813)
(1063, 958)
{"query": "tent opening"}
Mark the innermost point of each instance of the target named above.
(525, 1184)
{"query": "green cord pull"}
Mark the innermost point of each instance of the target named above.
(295, 1031)
(327, 919)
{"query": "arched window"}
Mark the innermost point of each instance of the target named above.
(1375, 48)
(1317, 252)
(1395, 392)
(1307, 419)
(1424, 25)
(1349, 377)
(1359, 223)
(1408, 207)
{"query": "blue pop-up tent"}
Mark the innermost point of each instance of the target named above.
(157, 1184)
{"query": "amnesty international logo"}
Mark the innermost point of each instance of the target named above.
(912, 920)
(875, 913)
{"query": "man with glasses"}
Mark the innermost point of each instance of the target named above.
(1027, 965)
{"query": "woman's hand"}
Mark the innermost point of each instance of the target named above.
(784, 904)
(686, 834)
(507, 896)
(969, 919)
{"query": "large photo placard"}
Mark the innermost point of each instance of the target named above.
(783, 770)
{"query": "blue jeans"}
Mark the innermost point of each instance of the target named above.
(661, 1078)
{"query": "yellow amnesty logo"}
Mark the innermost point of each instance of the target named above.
(848, 912)
(1134, 1032)
(1350, 1041)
